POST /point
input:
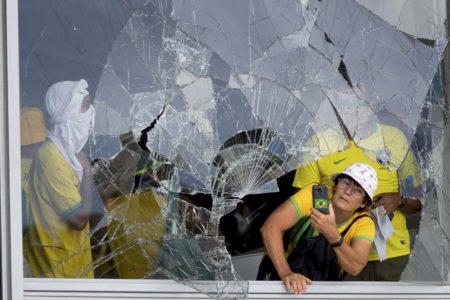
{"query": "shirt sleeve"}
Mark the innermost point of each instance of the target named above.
(57, 183)
(364, 228)
(303, 201)
(306, 175)
(403, 158)
(409, 172)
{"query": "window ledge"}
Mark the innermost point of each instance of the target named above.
(158, 289)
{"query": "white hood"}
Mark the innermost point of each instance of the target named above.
(70, 127)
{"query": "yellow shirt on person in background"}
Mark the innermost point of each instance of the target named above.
(386, 138)
(134, 233)
(25, 170)
(52, 248)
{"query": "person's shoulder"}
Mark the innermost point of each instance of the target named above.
(329, 141)
(49, 153)
(363, 227)
(48, 146)
(364, 218)
(309, 186)
(306, 191)
(392, 131)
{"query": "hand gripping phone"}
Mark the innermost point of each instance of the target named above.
(320, 198)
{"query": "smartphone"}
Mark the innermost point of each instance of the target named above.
(320, 198)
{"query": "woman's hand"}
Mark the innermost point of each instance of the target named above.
(325, 224)
(390, 201)
(296, 283)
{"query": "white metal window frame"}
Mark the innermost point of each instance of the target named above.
(166, 289)
(15, 287)
(10, 208)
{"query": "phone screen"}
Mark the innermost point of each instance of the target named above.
(320, 198)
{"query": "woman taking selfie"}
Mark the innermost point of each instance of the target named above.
(326, 238)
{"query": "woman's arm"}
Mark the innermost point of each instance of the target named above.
(393, 201)
(282, 219)
(79, 219)
(352, 258)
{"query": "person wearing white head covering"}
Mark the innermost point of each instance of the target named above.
(69, 128)
(58, 243)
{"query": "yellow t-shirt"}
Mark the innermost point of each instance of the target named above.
(52, 247)
(398, 244)
(135, 232)
(364, 228)
(25, 170)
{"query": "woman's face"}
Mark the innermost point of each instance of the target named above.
(348, 194)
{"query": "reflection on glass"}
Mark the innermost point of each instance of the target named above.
(199, 107)
(33, 134)
(60, 188)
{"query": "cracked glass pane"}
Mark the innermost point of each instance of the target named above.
(203, 111)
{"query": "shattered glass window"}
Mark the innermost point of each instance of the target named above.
(203, 111)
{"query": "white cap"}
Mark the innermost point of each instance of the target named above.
(364, 175)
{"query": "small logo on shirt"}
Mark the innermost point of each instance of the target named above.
(338, 161)
(383, 157)
(403, 242)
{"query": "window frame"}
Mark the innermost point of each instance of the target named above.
(158, 289)
(10, 211)
(14, 286)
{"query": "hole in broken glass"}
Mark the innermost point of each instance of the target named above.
(245, 139)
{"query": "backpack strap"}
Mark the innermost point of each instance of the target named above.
(298, 230)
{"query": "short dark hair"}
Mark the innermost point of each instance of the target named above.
(367, 204)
